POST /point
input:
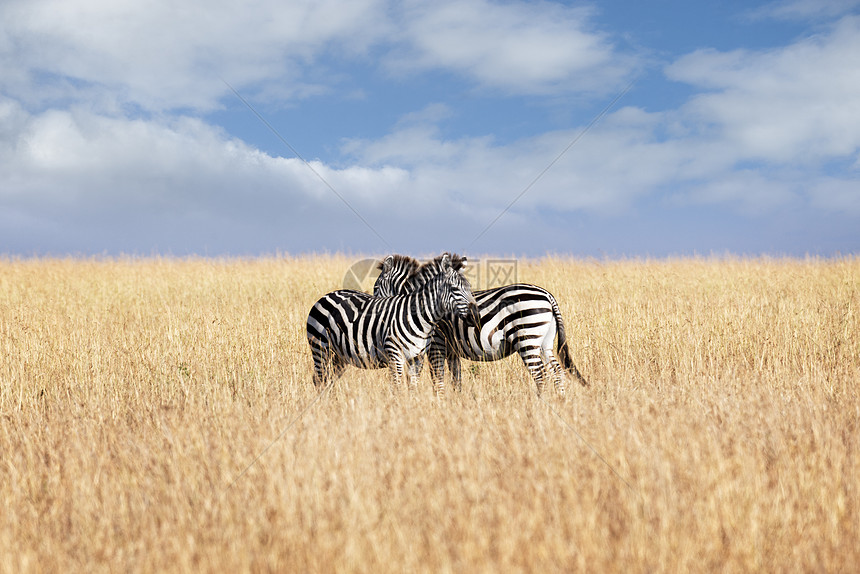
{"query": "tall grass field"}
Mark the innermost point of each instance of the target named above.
(159, 415)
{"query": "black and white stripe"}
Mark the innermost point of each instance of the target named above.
(349, 327)
(519, 318)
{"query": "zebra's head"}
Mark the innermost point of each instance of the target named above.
(456, 294)
(395, 272)
(432, 268)
(401, 274)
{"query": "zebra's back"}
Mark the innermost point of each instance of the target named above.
(511, 317)
(342, 324)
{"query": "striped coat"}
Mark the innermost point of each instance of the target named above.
(349, 327)
(520, 318)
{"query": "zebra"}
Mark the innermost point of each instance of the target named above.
(348, 327)
(519, 318)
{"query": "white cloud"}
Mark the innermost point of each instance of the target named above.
(163, 55)
(763, 131)
(752, 191)
(522, 48)
(760, 137)
(795, 104)
(90, 174)
(836, 195)
(804, 9)
(482, 176)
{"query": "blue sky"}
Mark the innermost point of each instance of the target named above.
(418, 124)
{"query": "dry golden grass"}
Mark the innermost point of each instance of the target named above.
(146, 410)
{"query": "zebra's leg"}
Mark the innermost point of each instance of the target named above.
(322, 361)
(396, 366)
(534, 363)
(414, 371)
(416, 365)
(328, 371)
(320, 374)
(456, 374)
(436, 357)
(338, 366)
(555, 370)
(539, 375)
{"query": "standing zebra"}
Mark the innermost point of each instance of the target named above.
(349, 327)
(517, 318)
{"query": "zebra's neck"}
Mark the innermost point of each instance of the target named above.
(424, 276)
(427, 300)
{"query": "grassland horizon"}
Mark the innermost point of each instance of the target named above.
(157, 414)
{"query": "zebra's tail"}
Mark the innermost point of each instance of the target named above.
(563, 348)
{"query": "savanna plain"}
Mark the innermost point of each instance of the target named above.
(158, 414)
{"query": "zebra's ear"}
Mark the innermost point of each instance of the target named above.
(386, 263)
(446, 261)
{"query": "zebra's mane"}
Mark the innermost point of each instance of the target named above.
(408, 264)
(431, 268)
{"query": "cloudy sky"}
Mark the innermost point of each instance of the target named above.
(611, 128)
